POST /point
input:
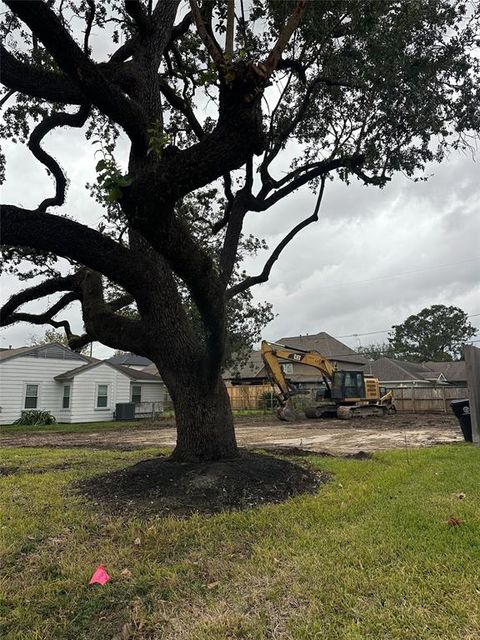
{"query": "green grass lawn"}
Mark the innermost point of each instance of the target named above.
(81, 427)
(370, 556)
(85, 427)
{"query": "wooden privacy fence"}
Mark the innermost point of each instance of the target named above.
(427, 399)
(246, 396)
(408, 399)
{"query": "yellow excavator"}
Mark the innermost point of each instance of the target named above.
(347, 394)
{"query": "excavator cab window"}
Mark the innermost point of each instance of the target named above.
(348, 384)
(322, 393)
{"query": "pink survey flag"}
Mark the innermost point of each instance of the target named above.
(100, 576)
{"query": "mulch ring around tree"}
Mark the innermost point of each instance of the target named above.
(163, 487)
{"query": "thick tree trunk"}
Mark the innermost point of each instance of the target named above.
(204, 423)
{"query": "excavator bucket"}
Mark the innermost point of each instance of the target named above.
(286, 413)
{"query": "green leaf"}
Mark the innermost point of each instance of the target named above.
(114, 194)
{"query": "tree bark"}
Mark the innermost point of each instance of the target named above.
(204, 422)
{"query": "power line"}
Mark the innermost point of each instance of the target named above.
(398, 275)
(372, 333)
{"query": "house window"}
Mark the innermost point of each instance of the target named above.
(287, 367)
(66, 397)
(102, 396)
(136, 393)
(31, 396)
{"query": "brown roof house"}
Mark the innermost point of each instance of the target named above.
(253, 372)
(455, 373)
(401, 373)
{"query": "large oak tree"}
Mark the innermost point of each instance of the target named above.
(228, 107)
(437, 333)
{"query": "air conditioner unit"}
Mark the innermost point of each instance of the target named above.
(124, 411)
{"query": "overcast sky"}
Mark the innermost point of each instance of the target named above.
(374, 257)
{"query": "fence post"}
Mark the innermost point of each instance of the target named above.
(413, 398)
(444, 400)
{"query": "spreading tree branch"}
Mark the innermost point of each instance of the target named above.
(271, 62)
(41, 130)
(74, 241)
(6, 97)
(295, 181)
(227, 188)
(211, 46)
(44, 318)
(103, 324)
(230, 30)
(126, 50)
(46, 288)
(180, 29)
(82, 71)
(183, 106)
(136, 11)
(282, 136)
(238, 209)
(37, 82)
(88, 28)
(265, 274)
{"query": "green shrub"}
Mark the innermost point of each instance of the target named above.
(267, 400)
(36, 418)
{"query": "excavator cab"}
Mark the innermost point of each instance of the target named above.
(348, 385)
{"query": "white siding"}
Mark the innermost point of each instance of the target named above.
(84, 393)
(16, 373)
(151, 391)
(153, 399)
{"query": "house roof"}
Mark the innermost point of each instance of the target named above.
(325, 344)
(250, 369)
(152, 368)
(453, 371)
(390, 370)
(5, 354)
(130, 360)
(131, 373)
(53, 350)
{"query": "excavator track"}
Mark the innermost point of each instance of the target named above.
(316, 412)
(361, 411)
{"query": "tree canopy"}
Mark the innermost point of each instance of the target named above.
(51, 335)
(376, 350)
(436, 333)
(228, 108)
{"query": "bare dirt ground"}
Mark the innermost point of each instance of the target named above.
(335, 437)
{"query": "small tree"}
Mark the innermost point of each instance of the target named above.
(377, 350)
(361, 90)
(437, 333)
(51, 335)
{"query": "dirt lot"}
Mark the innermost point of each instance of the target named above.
(330, 436)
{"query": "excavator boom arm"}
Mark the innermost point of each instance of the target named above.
(272, 354)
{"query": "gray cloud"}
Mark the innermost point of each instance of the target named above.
(374, 257)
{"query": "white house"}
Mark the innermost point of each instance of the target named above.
(71, 386)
